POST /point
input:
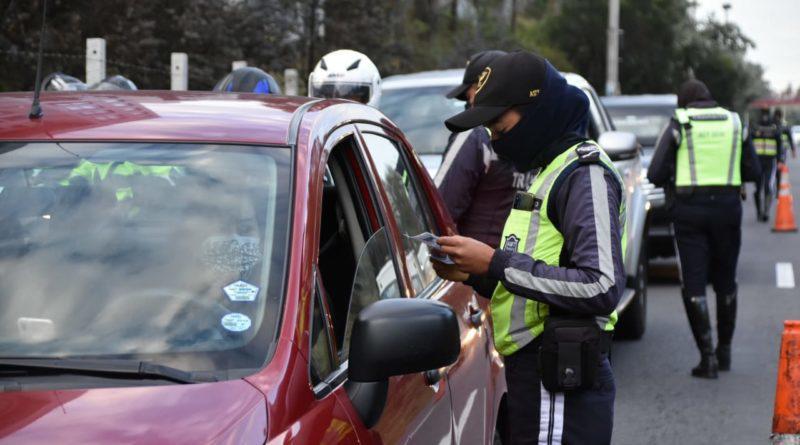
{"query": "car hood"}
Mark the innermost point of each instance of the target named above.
(225, 412)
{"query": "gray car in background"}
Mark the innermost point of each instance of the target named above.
(417, 104)
(646, 116)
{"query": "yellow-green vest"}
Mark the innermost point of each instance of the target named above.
(518, 320)
(95, 172)
(765, 140)
(710, 152)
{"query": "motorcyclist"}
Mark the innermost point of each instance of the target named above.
(346, 74)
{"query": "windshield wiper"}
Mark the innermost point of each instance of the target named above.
(104, 368)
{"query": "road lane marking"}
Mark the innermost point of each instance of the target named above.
(784, 275)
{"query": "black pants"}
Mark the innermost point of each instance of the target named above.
(537, 416)
(765, 187)
(708, 233)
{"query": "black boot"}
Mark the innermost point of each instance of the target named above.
(697, 312)
(726, 322)
(759, 211)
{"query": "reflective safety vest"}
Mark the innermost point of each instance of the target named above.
(518, 320)
(96, 172)
(710, 153)
(765, 140)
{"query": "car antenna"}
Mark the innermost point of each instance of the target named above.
(36, 108)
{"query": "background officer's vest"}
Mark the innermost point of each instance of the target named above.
(710, 153)
(517, 320)
(765, 140)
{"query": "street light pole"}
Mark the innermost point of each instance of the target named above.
(727, 7)
(612, 50)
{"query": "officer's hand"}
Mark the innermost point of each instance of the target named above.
(449, 272)
(470, 255)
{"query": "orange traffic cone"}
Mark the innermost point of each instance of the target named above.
(784, 214)
(786, 418)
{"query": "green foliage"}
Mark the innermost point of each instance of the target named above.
(662, 44)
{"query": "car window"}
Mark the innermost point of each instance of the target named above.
(356, 263)
(410, 214)
(322, 357)
(170, 253)
(419, 112)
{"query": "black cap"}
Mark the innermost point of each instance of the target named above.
(475, 66)
(514, 79)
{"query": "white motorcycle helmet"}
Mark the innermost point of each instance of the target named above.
(346, 74)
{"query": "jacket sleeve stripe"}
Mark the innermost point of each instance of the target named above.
(602, 225)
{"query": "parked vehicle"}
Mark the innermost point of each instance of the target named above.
(417, 104)
(646, 116)
(186, 267)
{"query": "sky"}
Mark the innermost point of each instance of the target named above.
(773, 26)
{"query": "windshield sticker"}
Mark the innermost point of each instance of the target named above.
(241, 291)
(236, 322)
(231, 254)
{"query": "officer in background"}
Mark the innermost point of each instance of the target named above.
(560, 269)
(767, 141)
(787, 142)
(476, 185)
(704, 155)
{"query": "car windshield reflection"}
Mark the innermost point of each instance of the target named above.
(172, 253)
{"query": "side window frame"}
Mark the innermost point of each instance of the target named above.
(373, 206)
(430, 221)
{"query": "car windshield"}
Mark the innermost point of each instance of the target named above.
(645, 122)
(420, 112)
(170, 253)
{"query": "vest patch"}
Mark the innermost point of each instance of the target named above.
(511, 243)
(588, 153)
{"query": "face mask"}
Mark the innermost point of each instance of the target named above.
(516, 146)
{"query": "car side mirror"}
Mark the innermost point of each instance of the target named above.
(619, 145)
(402, 336)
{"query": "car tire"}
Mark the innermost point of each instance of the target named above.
(633, 321)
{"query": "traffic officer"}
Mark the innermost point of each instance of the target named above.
(477, 187)
(560, 268)
(787, 142)
(767, 141)
(704, 158)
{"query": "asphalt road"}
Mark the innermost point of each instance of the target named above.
(658, 402)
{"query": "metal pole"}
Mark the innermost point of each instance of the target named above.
(291, 82)
(612, 51)
(180, 72)
(95, 60)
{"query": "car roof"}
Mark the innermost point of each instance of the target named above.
(667, 100)
(452, 77)
(449, 77)
(166, 116)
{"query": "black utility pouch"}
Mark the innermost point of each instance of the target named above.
(570, 353)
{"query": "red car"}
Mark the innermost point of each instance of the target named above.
(187, 268)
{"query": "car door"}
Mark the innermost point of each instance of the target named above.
(469, 378)
(359, 263)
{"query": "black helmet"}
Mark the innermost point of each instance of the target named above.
(248, 80)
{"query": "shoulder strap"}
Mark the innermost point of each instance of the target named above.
(571, 167)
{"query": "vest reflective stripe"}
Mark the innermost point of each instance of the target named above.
(766, 146)
(708, 136)
(518, 320)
